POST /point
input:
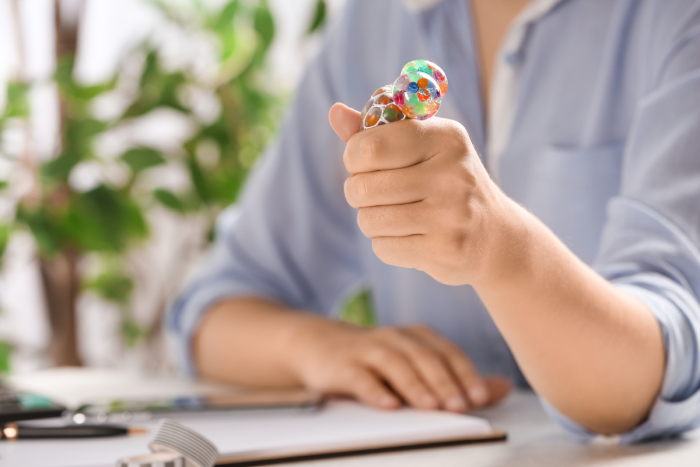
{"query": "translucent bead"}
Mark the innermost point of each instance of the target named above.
(422, 89)
(429, 68)
(373, 117)
(381, 109)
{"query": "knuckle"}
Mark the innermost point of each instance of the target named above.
(389, 333)
(427, 354)
(384, 356)
(358, 189)
(371, 148)
(421, 328)
(461, 139)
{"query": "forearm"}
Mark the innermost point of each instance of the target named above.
(592, 350)
(250, 341)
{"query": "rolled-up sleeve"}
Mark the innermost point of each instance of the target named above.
(292, 238)
(650, 246)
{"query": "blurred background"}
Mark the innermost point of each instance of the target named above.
(126, 127)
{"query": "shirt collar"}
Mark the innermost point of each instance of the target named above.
(532, 13)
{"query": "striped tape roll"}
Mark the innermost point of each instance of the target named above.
(163, 459)
(172, 437)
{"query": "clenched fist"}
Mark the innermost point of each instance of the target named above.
(424, 197)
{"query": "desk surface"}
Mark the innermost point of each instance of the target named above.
(533, 439)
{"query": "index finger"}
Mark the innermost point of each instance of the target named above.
(395, 146)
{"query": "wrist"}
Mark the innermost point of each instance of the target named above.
(301, 348)
(511, 247)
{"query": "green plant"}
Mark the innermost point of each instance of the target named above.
(109, 219)
(358, 309)
(319, 17)
(16, 106)
(5, 354)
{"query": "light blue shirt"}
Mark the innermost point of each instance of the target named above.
(603, 146)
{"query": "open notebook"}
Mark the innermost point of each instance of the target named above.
(341, 427)
(245, 438)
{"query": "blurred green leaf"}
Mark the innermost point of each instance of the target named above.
(71, 89)
(79, 135)
(17, 100)
(359, 310)
(103, 219)
(132, 332)
(43, 226)
(139, 159)
(112, 285)
(158, 88)
(199, 180)
(64, 73)
(229, 41)
(168, 199)
(60, 167)
(4, 239)
(224, 19)
(319, 17)
(4, 184)
(5, 358)
(222, 25)
(264, 24)
(90, 92)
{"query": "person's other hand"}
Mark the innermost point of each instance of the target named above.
(383, 366)
(424, 197)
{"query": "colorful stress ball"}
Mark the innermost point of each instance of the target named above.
(417, 93)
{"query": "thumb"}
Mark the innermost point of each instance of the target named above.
(344, 120)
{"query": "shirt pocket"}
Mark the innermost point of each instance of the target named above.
(570, 188)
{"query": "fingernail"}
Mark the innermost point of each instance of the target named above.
(478, 395)
(456, 404)
(388, 402)
(428, 401)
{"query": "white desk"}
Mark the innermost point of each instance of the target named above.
(533, 439)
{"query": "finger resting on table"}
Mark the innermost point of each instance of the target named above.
(393, 366)
(364, 385)
(461, 365)
(499, 388)
(435, 372)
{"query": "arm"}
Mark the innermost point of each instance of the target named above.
(246, 340)
(256, 342)
(594, 351)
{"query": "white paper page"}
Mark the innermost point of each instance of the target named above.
(341, 425)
